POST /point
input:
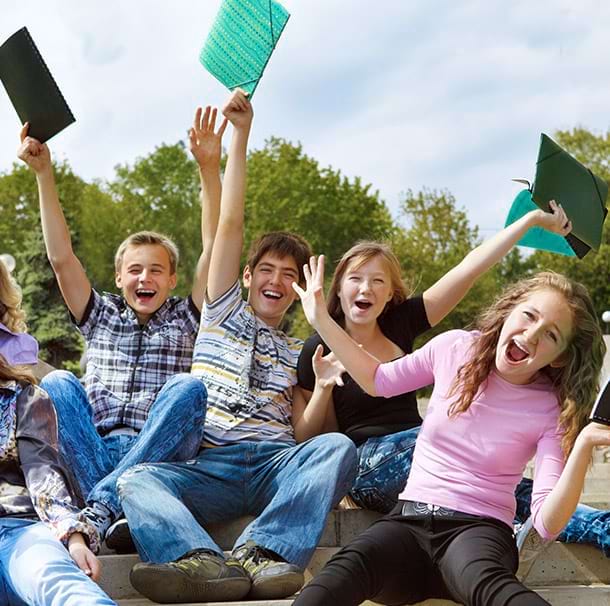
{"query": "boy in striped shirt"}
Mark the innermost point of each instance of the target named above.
(250, 462)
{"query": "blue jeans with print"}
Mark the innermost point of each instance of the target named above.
(384, 463)
(35, 568)
(587, 524)
(290, 490)
(172, 432)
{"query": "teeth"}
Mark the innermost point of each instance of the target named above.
(142, 292)
(271, 293)
(519, 346)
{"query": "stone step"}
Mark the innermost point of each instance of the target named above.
(571, 595)
(559, 565)
(599, 485)
(597, 500)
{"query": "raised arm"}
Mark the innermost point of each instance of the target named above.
(206, 146)
(71, 277)
(360, 364)
(226, 253)
(445, 294)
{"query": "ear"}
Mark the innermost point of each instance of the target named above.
(560, 361)
(247, 277)
(173, 280)
(117, 280)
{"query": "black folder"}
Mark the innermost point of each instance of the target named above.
(601, 410)
(31, 87)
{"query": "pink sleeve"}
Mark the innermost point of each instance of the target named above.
(549, 464)
(407, 373)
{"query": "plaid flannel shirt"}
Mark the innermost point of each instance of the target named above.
(128, 363)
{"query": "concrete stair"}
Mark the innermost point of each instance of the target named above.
(565, 575)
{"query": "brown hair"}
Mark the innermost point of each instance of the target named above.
(576, 383)
(142, 238)
(358, 255)
(15, 373)
(11, 314)
(281, 244)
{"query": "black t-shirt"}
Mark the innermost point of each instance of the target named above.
(359, 415)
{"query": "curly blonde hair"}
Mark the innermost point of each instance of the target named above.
(576, 382)
(11, 314)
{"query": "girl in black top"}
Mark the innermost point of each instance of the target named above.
(369, 299)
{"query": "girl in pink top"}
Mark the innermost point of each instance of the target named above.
(521, 385)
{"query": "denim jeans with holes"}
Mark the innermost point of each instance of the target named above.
(172, 432)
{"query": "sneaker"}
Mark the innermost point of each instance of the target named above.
(99, 516)
(530, 545)
(199, 576)
(118, 537)
(272, 578)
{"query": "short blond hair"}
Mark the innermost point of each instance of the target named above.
(143, 238)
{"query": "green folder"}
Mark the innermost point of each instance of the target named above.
(582, 195)
(536, 237)
(31, 87)
(242, 40)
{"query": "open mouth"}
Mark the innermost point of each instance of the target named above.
(145, 294)
(516, 352)
(272, 294)
(364, 305)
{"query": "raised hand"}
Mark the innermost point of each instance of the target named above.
(328, 369)
(35, 154)
(238, 110)
(556, 221)
(205, 142)
(312, 298)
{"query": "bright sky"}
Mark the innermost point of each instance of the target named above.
(404, 94)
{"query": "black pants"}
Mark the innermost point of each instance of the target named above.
(407, 558)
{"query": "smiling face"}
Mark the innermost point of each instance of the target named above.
(270, 287)
(145, 279)
(534, 335)
(364, 291)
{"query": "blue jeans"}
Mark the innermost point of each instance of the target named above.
(172, 432)
(384, 463)
(587, 524)
(290, 489)
(36, 569)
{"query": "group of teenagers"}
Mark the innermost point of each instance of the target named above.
(201, 410)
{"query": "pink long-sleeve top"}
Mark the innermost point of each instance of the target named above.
(472, 462)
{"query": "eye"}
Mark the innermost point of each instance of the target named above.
(379, 281)
(528, 314)
(552, 336)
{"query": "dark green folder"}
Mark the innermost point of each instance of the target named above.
(242, 40)
(31, 87)
(582, 195)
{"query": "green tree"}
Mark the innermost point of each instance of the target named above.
(47, 315)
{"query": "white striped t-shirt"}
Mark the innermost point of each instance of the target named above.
(249, 370)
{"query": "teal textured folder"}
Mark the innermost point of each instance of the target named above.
(536, 237)
(31, 87)
(242, 40)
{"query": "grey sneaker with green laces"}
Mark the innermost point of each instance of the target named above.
(272, 577)
(199, 576)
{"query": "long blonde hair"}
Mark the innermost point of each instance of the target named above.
(576, 382)
(11, 314)
(359, 254)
